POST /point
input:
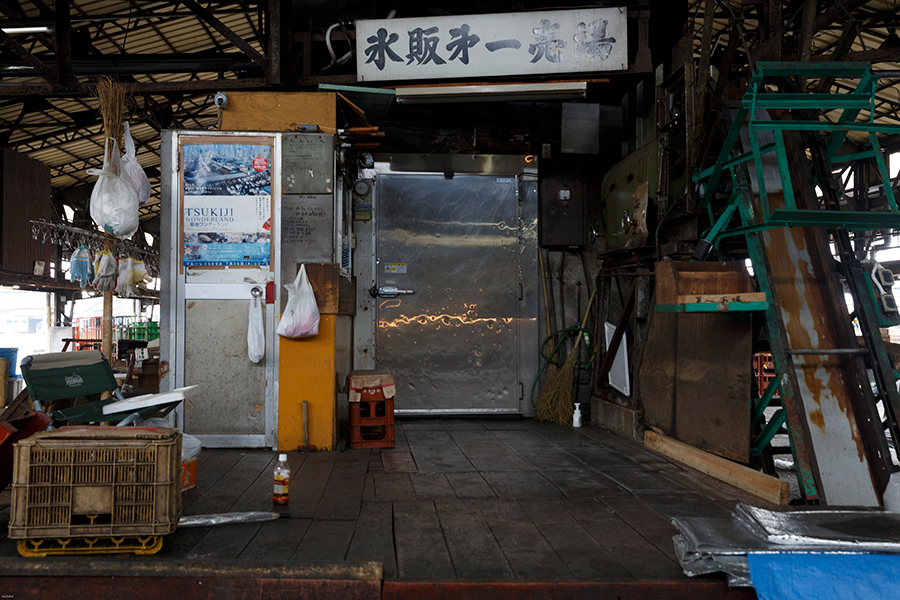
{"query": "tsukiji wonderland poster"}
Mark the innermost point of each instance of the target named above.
(227, 204)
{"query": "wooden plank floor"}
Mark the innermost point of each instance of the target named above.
(459, 500)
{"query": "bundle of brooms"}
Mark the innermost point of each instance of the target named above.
(114, 97)
(556, 402)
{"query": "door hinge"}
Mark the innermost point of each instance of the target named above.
(521, 391)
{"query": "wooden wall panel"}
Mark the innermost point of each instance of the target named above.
(712, 391)
(24, 196)
(696, 371)
(281, 111)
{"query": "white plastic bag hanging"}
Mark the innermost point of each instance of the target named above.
(114, 201)
(301, 315)
(256, 337)
(134, 170)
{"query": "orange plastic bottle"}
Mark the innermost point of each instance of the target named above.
(282, 481)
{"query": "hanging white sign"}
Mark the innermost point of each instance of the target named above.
(468, 46)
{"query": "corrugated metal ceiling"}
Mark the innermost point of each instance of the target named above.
(64, 132)
(876, 19)
(124, 28)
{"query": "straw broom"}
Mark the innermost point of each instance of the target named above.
(113, 97)
(556, 401)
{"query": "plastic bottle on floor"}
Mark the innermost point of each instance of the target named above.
(282, 481)
(576, 416)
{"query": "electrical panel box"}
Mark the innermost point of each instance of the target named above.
(580, 128)
(307, 163)
(562, 221)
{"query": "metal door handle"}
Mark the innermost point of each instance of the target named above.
(388, 292)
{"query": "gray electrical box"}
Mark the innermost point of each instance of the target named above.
(562, 222)
(580, 128)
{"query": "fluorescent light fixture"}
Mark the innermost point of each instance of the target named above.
(39, 29)
(493, 93)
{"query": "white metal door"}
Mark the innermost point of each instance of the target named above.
(226, 197)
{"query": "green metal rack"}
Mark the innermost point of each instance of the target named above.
(756, 98)
(757, 217)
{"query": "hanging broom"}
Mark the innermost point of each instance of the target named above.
(556, 401)
(113, 97)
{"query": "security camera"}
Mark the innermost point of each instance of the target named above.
(221, 100)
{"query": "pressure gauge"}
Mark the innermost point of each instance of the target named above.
(362, 188)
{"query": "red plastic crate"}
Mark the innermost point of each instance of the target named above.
(371, 409)
(372, 421)
(372, 436)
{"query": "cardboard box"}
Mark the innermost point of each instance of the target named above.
(377, 384)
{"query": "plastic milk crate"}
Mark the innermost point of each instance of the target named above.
(90, 490)
(371, 409)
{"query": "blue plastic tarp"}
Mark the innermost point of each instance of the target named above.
(824, 576)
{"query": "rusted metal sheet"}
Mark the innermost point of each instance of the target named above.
(242, 588)
(186, 588)
(811, 314)
(565, 590)
(114, 578)
(823, 385)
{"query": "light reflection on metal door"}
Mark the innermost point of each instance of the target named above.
(452, 242)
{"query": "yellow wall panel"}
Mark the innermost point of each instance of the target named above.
(306, 372)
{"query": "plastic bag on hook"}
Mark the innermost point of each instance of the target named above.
(256, 337)
(114, 201)
(301, 315)
(134, 170)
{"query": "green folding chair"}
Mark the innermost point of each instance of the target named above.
(64, 375)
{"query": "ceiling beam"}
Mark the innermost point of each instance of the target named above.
(13, 9)
(881, 55)
(146, 64)
(275, 41)
(63, 32)
(839, 9)
(227, 33)
(28, 57)
(211, 85)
